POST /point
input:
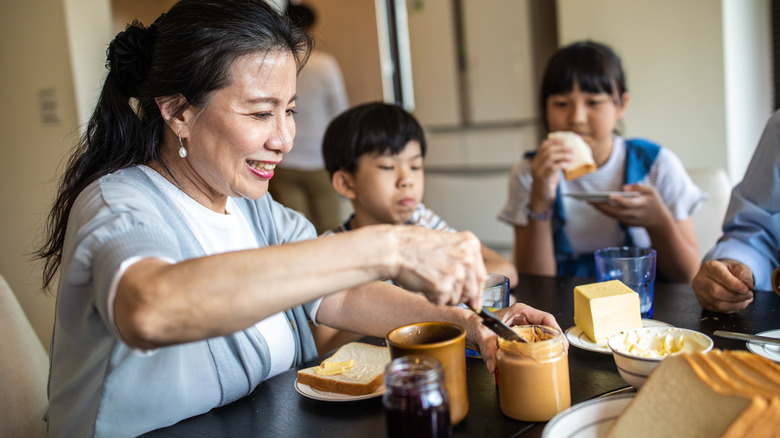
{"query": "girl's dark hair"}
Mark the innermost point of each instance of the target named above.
(370, 127)
(593, 65)
(187, 52)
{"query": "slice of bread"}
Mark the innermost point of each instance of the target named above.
(364, 376)
(718, 394)
(582, 161)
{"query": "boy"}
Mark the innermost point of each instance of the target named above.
(374, 154)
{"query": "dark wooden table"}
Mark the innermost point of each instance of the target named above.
(276, 409)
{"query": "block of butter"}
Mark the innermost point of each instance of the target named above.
(602, 309)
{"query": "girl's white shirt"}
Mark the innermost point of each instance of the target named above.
(587, 229)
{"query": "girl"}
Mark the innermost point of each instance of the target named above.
(584, 91)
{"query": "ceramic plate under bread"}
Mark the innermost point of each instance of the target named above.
(579, 339)
(316, 394)
(599, 196)
(771, 352)
(589, 419)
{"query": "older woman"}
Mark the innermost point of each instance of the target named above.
(182, 284)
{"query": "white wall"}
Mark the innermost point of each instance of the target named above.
(675, 54)
(35, 56)
(748, 73)
(89, 31)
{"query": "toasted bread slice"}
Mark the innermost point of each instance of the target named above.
(582, 162)
(363, 376)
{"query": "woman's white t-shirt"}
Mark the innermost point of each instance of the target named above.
(219, 233)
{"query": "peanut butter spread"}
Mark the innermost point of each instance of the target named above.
(533, 377)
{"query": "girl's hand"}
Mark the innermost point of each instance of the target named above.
(516, 314)
(552, 156)
(646, 210)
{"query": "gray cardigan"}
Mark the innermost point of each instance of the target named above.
(97, 384)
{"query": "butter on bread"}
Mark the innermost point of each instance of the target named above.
(356, 368)
(582, 160)
(605, 308)
(328, 368)
(718, 393)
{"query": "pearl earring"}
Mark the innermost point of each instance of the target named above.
(182, 151)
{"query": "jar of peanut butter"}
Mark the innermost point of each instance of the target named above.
(533, 377)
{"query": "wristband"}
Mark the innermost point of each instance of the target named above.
(539, 217)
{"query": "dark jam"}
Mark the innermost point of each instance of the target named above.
(416, 402)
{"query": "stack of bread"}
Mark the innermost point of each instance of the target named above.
(356, 368)
(714, 394)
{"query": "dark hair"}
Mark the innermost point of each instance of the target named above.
(301, 16)
(187, 52)
(593, 65)
(370, 127)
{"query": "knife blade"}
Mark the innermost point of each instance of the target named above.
(494, 323)
(746, 337)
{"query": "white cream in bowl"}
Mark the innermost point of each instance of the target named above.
(638, 351)
(658, 343)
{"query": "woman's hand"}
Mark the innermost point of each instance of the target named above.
(646, 210)
(517, 314)
(447, 267)
(552, 156)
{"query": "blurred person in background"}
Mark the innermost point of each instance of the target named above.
(301, 181)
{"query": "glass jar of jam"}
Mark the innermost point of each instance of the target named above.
(416, 401)
(533, 377)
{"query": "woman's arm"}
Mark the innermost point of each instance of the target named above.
(378, 307)
(159, 303)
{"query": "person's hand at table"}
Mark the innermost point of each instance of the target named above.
(646, 210)
(723, 285)
(447, 268)
(517, 314)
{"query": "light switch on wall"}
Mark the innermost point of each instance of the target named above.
(49, 104)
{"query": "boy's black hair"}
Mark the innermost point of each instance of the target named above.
(371, 127)
(595, 66)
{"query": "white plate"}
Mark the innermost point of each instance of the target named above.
(578, 338)
(589, 419)
(599, 196)
(768, 351)
(316, 394)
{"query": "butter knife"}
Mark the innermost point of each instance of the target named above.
(494, 323)
(747, 337)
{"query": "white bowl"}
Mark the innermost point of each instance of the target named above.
(648, 349)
